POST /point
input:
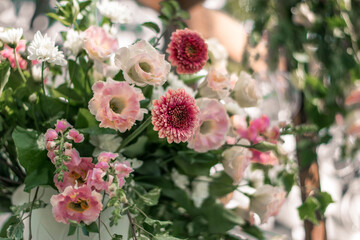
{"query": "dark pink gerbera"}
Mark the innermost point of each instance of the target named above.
(175, 116)
(188, 51)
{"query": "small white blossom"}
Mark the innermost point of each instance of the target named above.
(74, 41)
(41, 142)
(43, 48)
(11, 36)
(33, 97)
(200, 190)
(181, 181)
(117, 12)
(36, 72)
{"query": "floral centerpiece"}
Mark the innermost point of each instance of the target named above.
(159, 140)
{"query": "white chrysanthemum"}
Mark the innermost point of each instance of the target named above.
(74, 41)
(181, 181)
(11, 36)
(117, 12)
(43, 48)
(200, 190)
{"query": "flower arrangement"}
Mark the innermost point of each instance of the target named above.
(114, 128)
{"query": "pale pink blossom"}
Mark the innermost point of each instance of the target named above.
(123, 169)
(235, 161)
(76, 174)
(98, 43)
(62, 125)
(76, 136)
(218, 81)
(95, 179)
(267, 201)
(213, 126)
(353, 98)
(265, 158)
(116, 104)
(77, 204)
(8, 53)
(175, 116)
(51, 135)
(142, 64)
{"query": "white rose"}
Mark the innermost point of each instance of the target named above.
(142, 64)
(267, 201)
(235, 161)
(246, 93)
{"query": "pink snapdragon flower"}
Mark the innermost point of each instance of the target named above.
(8, 53)
(98, 43)
(213, 126)
(76, 174)
(75, 136)
(104, 159)
(175, 116)
(62, 125)
(142, 64)
(51, 135)
(187, 51)
(116, 104)
(95, 179)
(76, 204)
(122, 169)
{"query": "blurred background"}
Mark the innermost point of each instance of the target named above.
(290, 47)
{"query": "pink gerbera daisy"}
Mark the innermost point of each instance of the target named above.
(116, 104)
(187, 51)
(175, 116)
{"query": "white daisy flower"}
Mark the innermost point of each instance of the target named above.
(74, 41)
(11, 36)
(43, 48)
(117, 12)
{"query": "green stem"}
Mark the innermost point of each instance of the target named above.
(42, 77)
(133, 135)
(107, 229)
(131, 224)
(31, 208)
(77, 232)
(18, 66)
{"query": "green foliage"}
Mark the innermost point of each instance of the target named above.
(152, 26)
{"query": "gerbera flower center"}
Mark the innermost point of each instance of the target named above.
(178, 116)
(79, 206)
(117, 105)
(146, 67)
(190, 50)
(206, 127)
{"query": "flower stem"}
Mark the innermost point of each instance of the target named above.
(133, 135)
(31, 208)
(42, 77)
(131, 224)
(77, 232)
(18, 66)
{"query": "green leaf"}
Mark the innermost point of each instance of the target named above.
(77, 76)
(151, 198)
(307, 211)
(10, 221)
(92, 227)
(61, 19)
(85, 119)
(32, 156)
(157, 223)
(253, 230)
(165, 237)
(68, 93)
(117, 237)
(264, 146)
(324, 199)
(152, 26)
(4, 74)
(72, 229)
(221, 185)
(16, 231)
(84, 231)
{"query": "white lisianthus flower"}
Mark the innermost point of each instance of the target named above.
(200, 190)
(217, 53)
(74, 41)
(267, 201)
(246, 92)
(117, 12)
(142, 64)
(235, 161)
(180, 180)
(11, 36)
(105, 143)
(43, 48)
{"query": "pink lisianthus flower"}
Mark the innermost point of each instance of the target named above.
(8, 53)
(235, 161)
(123, 170)
(98, 43)
(265, 158)
(75, 136)
(104, 159)
(175, 116)
(116, 104)
(213, 126)
(62, 125)
(95, 180)
(142, 64)
(187, 51)
(76, 204)
(76, 174)
(219, 82)
(267, 201)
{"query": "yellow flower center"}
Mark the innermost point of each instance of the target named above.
(79, 206)
(206, 127)
(117, 105)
